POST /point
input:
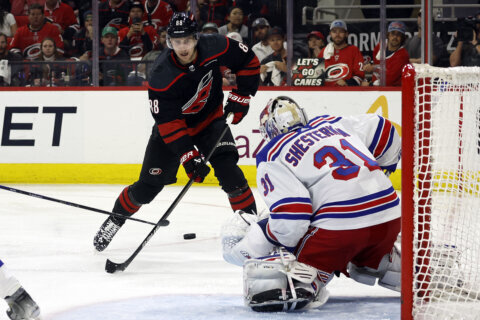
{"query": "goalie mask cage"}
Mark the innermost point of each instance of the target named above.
(440, 193)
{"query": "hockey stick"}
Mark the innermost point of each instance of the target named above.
(76, 205)
(112, 267)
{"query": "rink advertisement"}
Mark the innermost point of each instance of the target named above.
(100, 136)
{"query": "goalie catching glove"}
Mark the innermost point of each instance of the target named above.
(194, 165)
(237, 104)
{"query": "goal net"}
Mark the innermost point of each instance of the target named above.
(440, 193)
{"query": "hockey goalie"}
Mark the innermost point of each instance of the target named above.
(332, 208)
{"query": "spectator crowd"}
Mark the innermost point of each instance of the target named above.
(50, 43)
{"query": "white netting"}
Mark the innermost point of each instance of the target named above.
(447, 193)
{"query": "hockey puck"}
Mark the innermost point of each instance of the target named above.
(189, 236)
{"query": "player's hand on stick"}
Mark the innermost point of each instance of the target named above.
(194, 165)
(237, 104)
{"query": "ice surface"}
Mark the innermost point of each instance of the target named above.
(48, 247)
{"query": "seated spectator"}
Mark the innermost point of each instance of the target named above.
(138, 39)
(112, 74)
(161, 43)
(51, 74)
(82, 40)
(210, 27)
(8, 25)
(467, 52)
(10, 74)
(396, 57)
(157, 13)
(235, 23)
(273, 69)
(260, 46)
(316, 42)
(113, 13)
(213, 11)
(62, 15)
(27, 39)
(343, 61)
(20, 7)
(413, 45)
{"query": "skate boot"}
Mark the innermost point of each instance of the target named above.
(106, 233)
(22, 306)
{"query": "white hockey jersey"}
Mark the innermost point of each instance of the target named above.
(329, 174)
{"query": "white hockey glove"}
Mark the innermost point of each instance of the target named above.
(242, 238)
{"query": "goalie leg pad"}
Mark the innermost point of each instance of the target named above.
(271, 285)
(388, 272)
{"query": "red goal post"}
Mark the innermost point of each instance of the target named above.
(440, 193)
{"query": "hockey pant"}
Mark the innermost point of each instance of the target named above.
(332, 250)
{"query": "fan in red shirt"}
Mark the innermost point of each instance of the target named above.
(62, 16)
(138, 39)
(157, 13)
(27, 39)
(343, 62)
(396, 56)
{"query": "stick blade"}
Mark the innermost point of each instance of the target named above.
(112, 267)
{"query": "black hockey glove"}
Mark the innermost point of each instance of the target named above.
(194, 165)
(238, 105)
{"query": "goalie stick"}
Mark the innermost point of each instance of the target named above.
(76, 205)
(112, 267)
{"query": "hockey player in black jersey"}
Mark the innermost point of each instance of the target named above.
(186, 101)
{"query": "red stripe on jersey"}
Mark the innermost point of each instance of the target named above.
(202, 125)
(173, 136)
(294, 208)
(167, 87)
(248, 72)
(254, 63)
(382, 143)
(169, 127)
(173, 130)
(270, 233)
(218, 54)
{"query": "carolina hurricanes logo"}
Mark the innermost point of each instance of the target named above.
(32, 51)
(336, 72)
(199, 99)
(136, 50)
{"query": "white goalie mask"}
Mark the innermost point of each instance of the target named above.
(281, 115)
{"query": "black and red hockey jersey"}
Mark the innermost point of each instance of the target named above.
(186, 99)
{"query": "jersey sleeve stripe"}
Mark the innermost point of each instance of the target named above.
(167, 87)
(270, 233)
(294, 208)
(384, 137)
(390, 141)
(284, 216)
(216, 55)
(290, 200)
(254, 63)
